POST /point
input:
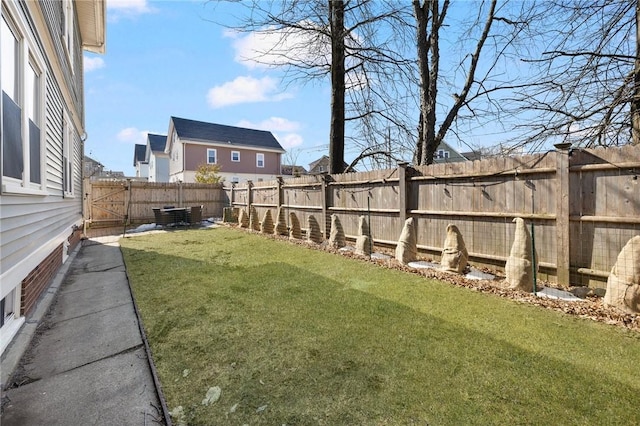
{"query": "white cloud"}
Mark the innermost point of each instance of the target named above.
(288, 140)
(132, 135)
(270, 47)
(93, 63)
(245, 90)
(127, 9)
(272, 124)
(274, 47)
(139, 6)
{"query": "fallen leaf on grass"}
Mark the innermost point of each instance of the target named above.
(213, 395)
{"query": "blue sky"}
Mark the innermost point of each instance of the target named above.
(167, 58)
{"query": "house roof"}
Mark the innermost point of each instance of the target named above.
(222, 134)
(313, 164)
(155, 144)
(92, 21)
(88, 159)
(287, 169)
(445, 146)
(139, 154)
(323, 159)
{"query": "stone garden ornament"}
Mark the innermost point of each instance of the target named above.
(454, 254)
(406, 250)
(519, 267)
(336, 236)
(281, 223)
(315, 235)
(266, 226)
(254, 223)
(295, 232)
(363, 242)
(623, 284)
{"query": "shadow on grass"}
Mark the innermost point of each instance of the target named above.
(289, 346)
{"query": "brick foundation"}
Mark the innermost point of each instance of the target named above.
(74, 239)
(39, 278)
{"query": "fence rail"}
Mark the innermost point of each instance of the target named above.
(584, 205)
(118, 202)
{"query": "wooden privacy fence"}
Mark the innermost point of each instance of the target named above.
(119, 202)
(584, 205)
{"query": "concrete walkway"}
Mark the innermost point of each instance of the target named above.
(87, 363)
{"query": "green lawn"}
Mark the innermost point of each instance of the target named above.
(298, 336)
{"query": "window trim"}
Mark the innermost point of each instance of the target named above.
(28, 57)
(68, 144)
(215, 155)
(260, 155)
(68, 36)
(235, 152)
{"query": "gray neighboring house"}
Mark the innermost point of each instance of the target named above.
(156, 158)
(91, 167)
(446, 154)
(321, 165)
(142, 167)
(242, 154)
(293, 170)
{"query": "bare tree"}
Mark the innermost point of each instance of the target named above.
(384, 62)
(476, 83)
(587, 86)
(354, 43)
(336, 136)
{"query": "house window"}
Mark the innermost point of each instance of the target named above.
(211, 156)
(67, 6)
(32, 106)
(7, 308)
(235, 156)
(235, 179)
(442, 154)
(67, 158)
(259, 160)
(21, 80)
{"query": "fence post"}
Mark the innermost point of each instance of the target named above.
(280, 190)
(232, 197)
(326, 178)
(563, 260)
(249, 194)
(402, 193)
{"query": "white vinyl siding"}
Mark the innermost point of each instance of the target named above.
(34, 223)
(55, 138)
